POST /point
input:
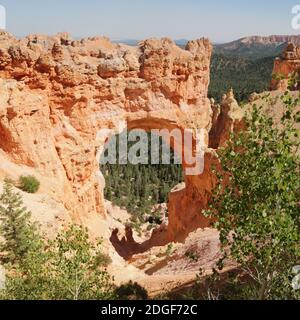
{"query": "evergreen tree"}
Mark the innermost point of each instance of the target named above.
(228, 71)
(139, 187)
(19, 235)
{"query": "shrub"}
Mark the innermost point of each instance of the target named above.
(29, 184)
(131, 291)
(103, 259)
(192, 256)
(170, 249)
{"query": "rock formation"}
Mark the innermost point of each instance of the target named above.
(227, 117)
(286, 66)
(57, 93)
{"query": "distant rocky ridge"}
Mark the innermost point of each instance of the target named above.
(247, 47)
(257, 46)
(269, 40)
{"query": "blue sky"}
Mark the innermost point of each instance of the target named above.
(218, 20)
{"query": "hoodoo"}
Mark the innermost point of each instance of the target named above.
(285, 66)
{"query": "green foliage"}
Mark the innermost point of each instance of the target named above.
(103, 259)
(170, 250)
(228, 286)
(28, 279)
(131, 291)
(256, 203)
(70, 267)
(293, 81)
(29, 184)
(137, 188)
(253, 51)
(278, 76)
(192, 256)
(244, 75)
(19, 235)
(76, 266)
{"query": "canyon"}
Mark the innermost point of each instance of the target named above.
(57, 94)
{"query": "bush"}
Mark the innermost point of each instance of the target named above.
(131, 291)
(29, 184)
(103, 259)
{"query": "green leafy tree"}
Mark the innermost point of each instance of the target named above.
(78, 267)
(256, 203)
(71, 267)
(30, 279)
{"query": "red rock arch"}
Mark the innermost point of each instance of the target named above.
(185, 203)
(57, 93)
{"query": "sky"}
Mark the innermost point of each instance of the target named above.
(219, 20)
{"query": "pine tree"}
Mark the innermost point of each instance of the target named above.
(139, 187)
(19, 235)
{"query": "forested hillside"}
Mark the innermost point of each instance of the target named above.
(250, 50)
(244, 75)
(138, 188)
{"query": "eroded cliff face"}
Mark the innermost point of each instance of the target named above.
(284, 67)
(227, 117)
(57, 93)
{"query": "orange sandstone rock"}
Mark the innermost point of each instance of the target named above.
(284, 67)
(57, 93)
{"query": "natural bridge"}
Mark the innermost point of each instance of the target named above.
(57, 93)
